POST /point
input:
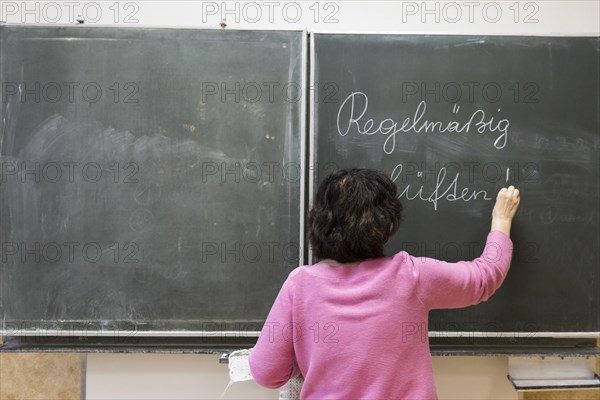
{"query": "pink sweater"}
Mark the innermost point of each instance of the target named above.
(360, 332)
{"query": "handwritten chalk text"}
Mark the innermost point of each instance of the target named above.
(354, 108)
(442, 190)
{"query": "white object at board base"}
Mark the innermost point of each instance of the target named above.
(540, 384)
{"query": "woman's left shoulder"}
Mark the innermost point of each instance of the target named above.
(298, 272)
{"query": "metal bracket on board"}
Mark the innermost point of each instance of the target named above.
(224, 359)
(535, 373)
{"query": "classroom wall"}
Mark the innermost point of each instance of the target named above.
(163, 376)
(505, 17)
(154, 376)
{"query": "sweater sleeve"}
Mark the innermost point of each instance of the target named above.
(465, 283)
(272, 360)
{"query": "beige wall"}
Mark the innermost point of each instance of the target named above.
(166, 376)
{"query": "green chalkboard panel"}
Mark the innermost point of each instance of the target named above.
(149, 177)
(452, 119)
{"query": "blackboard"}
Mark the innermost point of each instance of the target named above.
(150, 177)
(152, 180)
(534, 106)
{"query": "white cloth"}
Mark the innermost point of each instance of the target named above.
(239, 371)
(239, 367)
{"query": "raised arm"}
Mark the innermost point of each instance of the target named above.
(507, 203)
(465, 283)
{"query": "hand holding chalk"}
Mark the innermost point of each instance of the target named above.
(507, 203)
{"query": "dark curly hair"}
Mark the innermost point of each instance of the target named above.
(355, 212)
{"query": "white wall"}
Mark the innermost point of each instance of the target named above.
(191, 376)
(161, 376)
(164, 376)
(510, 17)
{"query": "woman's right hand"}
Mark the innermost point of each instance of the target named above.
(507, 203)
